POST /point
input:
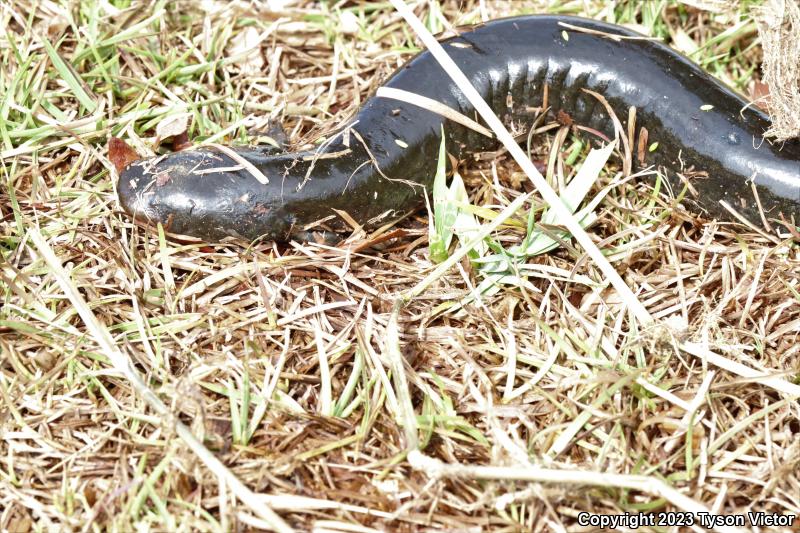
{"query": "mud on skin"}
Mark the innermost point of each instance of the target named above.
(208, 194)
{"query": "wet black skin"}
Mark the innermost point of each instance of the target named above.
(516, 57)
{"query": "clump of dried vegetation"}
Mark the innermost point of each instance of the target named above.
(152, 382)
(779, 27)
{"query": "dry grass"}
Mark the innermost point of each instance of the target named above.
(170, 385)
(779, 26)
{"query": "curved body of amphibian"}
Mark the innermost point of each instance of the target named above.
(377, 167)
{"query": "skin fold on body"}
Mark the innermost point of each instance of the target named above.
(378, 165)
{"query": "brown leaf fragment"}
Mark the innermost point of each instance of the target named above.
(641, 149)
(563, 118)
(120, 154)
(181, 142)
(759, 94)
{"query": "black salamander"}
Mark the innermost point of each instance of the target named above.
(374, 167)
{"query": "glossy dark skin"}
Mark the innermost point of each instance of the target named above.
(516, 57)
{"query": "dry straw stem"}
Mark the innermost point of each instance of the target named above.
(779, 27)
(432, 105)
(122, 364)
(739, 369)
(532, 474)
